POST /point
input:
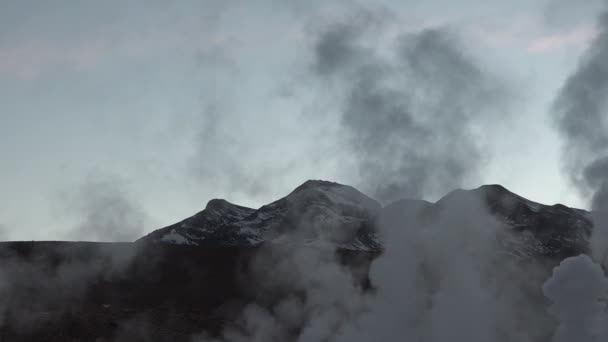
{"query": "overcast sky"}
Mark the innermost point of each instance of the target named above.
(156, 107)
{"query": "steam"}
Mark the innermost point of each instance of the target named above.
(411, 114)
(580, 110)
(579, 286)
(226, 161)
(303, 294)
(107, 212)
(43, 281)
(434, 280)
(445, 281)
(442, 280)
(578, 290)
(401, 111)
(411, 117)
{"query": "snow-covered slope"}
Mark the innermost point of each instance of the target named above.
(326, 213)
(527, 228)
(316, 212)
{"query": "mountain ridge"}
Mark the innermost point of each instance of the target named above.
(324, 213)
(171, 286)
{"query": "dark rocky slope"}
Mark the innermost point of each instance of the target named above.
(195, 275)
(320, 212)
(315, 212)
(85, 291)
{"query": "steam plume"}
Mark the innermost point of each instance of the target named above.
(402, 111)
(107, 212)
(580, 110)
(578, 290)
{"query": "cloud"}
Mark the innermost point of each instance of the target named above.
(30, 58)
(80, 37)
(34, 57)
(561, 13)
(502, 32)
(579, 37)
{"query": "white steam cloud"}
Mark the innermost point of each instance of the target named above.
(438, 280)
(581, 112)
(401, 105)
(579, 291)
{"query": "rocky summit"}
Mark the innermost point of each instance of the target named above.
(322, 213)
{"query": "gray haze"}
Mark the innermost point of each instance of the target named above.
(409, 118)
(408, 115)
(578, 290)
(581, 112)
(106, 211)
(440, 281)
(221, 101)
(195, 100)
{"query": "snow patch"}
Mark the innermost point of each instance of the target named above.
(175, 238)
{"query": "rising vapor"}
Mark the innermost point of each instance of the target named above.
(581, 114)
(579, 286)
(401, 111)
(106, 212)
(578, 290)
(413, 112)
(410, 119)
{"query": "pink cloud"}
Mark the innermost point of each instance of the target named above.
(502, 32)
(31, 57)
(578, 37)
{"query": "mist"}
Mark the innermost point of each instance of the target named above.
(579, 287)
(105, 211)
(446, 279)
(580, 111)
(401, 107)
(402, 102)
(578, 290)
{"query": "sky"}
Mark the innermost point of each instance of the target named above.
(134, 114)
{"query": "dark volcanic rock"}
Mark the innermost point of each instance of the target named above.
(194, 276)
(530, 228)
(85, 291)
(316, 212)
(327, 213)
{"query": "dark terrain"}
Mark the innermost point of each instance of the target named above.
(83, 291)
(172, 289)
